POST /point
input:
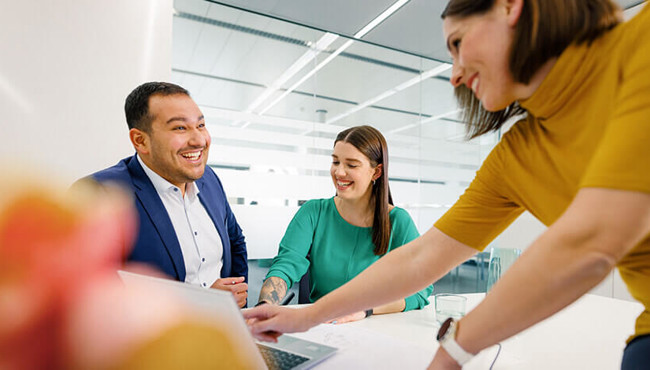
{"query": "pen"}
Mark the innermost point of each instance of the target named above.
(287, 298)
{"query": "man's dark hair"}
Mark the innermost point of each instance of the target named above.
(136, 106)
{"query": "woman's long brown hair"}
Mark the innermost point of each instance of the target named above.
(369, 141)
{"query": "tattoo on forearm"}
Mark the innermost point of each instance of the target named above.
(273, 290)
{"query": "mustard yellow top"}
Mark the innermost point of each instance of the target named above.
(588, 126)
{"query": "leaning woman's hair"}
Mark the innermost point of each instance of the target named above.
(369, 141)
(544, 30)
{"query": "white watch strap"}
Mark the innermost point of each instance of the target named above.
(456, 351)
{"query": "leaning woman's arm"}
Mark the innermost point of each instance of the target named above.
(400, 273)
(392, 307)
(577, 252)
(396, 306)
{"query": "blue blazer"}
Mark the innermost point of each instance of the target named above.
(156, 243)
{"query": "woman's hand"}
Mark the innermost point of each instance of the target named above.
(349, 318)
(267, 322)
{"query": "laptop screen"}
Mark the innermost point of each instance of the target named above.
(216, 307)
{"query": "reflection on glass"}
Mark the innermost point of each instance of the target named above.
(276, 93)
(500, 261)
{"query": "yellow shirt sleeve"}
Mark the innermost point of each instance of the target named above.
(483, 211)
(622, 159)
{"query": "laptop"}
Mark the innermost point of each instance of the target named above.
(289, 353)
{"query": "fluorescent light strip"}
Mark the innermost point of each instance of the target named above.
(375, 22)
(322, 44)
(415, 80)
(369, 27)
(308, 75)
(430, 119)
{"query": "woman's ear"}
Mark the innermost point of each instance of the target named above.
(140, 140)
(378, 171)
(513, 11)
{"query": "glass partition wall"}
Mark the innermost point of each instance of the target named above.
(275, 94)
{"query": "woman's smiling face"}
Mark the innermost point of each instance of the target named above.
(352, 172)
(480, 50)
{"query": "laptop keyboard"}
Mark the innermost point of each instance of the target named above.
(277, 359)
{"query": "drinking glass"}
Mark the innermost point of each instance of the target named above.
(449, 305)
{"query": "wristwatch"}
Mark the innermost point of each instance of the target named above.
(447, 339)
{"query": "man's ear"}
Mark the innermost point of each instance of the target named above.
(513, 11)
(140, 140)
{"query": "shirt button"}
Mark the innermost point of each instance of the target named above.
(204, 284)
(175, 189)
(196, 233)
(202, 259)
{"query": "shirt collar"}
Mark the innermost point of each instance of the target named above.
(562, 82)
(573, 72)
(163, 186)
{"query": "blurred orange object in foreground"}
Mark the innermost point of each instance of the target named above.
(61, 303)
(51, 247)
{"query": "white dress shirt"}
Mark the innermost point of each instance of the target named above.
(198, 236)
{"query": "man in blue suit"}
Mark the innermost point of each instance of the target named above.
(187, 228)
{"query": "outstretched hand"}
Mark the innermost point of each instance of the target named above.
(267, 322)
(349, 318)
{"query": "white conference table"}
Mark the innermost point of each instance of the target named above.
(589, 334)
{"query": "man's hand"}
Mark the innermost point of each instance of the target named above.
(235, 285)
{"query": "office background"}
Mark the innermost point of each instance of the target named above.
(276, 80)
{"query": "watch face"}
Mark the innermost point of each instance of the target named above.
(444, 328)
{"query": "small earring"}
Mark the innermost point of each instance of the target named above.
(373, 182)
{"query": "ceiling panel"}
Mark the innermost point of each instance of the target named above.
(356, 80)
(305, 107)
(415, 28)
(340, 16)
(431, 97)
(230, 59)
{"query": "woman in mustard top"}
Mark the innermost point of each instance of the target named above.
(578, 161)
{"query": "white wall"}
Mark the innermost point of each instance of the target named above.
(65, 70)
(629, 13)
(521, 233)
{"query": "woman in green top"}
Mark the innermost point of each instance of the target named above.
(347, 233)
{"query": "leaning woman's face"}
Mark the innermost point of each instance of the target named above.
(479, 47)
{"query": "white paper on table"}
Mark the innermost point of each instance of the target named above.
(364, 349)
(484, 359)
